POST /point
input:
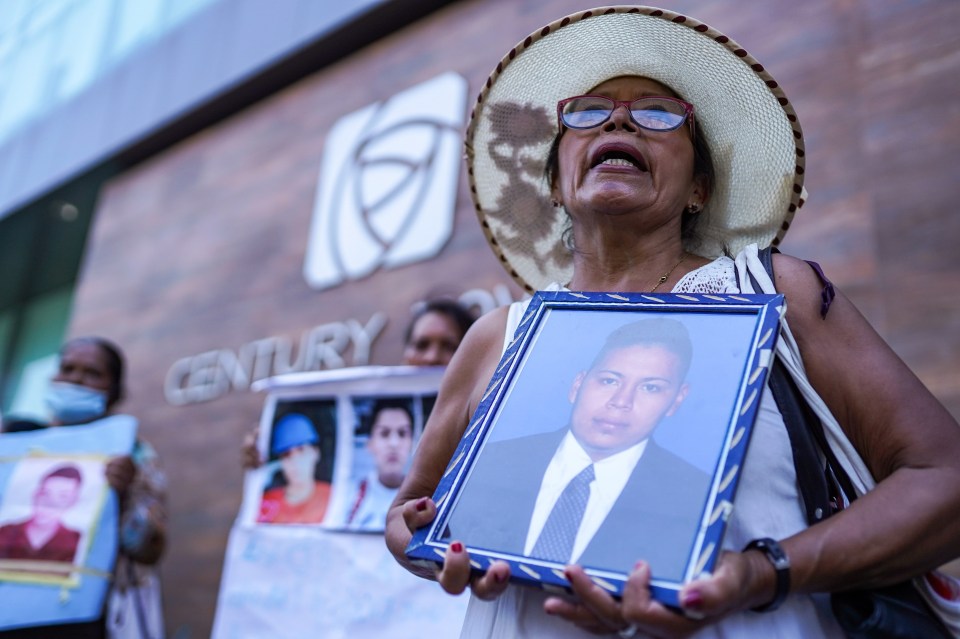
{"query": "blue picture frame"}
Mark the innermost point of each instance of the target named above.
(515, 430)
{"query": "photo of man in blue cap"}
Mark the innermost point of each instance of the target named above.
(300, 498)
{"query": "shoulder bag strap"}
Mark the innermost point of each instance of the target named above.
(797, 417)
(897, 611)
(822, 481)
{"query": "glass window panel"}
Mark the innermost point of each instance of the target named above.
(81, 47)
(136, 23)
(43, 325)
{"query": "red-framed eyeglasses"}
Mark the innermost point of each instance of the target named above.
(653, 113)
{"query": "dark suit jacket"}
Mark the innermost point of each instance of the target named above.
(14, 544)
(655, 518)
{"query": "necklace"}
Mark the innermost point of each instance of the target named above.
(668, 273)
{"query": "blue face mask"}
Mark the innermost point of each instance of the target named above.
(74, 404)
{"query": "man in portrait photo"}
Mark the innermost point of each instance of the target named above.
(389, 443)
(43, 536)
(599, 491)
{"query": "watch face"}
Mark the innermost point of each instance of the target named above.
(776, 553)
(781, 564)
(773, 551)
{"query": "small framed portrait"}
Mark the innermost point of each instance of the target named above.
(612, 431)
(48, 514)
(300, 453)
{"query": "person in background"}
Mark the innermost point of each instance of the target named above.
(389, 443)
(435, 332)
(88, 385)
(432, 336)
(300, 498)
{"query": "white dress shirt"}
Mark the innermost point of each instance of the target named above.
(610, 476)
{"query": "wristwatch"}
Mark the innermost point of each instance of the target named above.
(781, 563)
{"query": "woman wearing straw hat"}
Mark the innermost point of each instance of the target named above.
(670, 155)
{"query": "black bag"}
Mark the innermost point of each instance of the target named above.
(892, 612)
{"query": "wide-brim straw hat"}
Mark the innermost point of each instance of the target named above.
(747, 121)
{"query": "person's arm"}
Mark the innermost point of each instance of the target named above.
(463, 385)
(910, 443)
(120, 472)
(904, 527)
(249, 454)
(143, 514)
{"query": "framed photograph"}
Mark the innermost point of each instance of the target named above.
(612, 431)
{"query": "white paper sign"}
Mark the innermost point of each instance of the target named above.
(324, 576)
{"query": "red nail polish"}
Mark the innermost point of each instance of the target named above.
(500, 578)
(692, 599)
(456, 546)
(422, 504)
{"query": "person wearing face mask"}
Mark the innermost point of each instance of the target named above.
(88, 386)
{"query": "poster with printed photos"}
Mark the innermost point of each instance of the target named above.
(336, 445)
(351, 432)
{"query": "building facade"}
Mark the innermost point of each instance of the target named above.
(261, 195)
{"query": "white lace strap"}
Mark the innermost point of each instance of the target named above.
(748, 264)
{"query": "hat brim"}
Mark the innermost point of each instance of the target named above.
(750, 127)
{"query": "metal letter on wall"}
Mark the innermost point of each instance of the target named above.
(388, 183)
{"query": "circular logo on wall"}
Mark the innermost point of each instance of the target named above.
(387, 188)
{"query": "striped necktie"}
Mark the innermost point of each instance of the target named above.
(555, 542)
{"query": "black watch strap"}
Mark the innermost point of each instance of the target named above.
(781, 563)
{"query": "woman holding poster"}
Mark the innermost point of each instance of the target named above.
(88, 386)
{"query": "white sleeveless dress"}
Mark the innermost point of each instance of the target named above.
(767, 504)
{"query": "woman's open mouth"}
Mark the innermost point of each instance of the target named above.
(619, 156)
